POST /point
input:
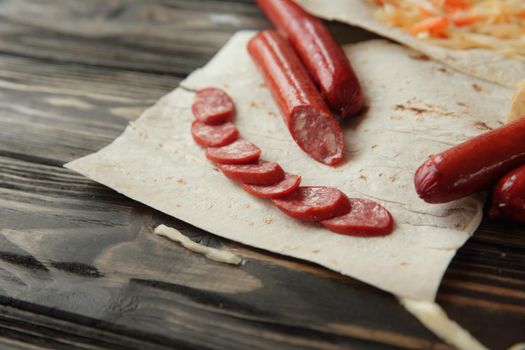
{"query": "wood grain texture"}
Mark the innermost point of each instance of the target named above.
(79, 265)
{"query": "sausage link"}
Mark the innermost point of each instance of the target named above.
(508, 198)
(472, 166)
(321, 54)
(309, 120)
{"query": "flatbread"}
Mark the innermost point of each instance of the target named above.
(486, 64)
(417, 108)
(517, 108)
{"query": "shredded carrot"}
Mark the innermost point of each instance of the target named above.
(455, 5)
(425, 12)
(466, 20)
(460, 24)
(435, 26)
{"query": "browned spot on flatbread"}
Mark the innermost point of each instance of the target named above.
(268, 221)
(460, 226)
(362, 177)
(420, 108)
(420, 57)
(477, 87)
(315, 251)
(373, 146)
(481, 126)
(254, 104)
(181, 181)
(417, 111)
(462, 104)
(443, 70)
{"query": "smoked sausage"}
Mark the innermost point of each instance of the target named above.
(238, 152)
(366, 218)
(306, 115)
(213, 106)
(213, 135)
(320, 53)
(314, 203)
(472, 166)
(280, 189)
(260, 173)
(508, 198)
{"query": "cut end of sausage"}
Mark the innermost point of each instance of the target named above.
(238, 152)
(366, 218)
(261, 173)
(426, 181)
(318, 134)
(314, 203)
(213, 135)
(283, 188)
(213, 106)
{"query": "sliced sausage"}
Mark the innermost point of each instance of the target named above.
(260, 173)
(472, 166)
(213, 106)
(280, 189)
(314, 203)
(238, 152)
(366, 218)
(508, 198)
(309, 120)
(213, 135)
(320, 53)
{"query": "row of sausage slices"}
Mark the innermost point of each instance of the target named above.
(240, 160)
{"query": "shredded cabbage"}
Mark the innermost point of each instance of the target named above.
(461, 24)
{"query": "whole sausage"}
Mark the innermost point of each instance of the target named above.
(320, 53)
(309, 120)
(508, 198)
(472, 166)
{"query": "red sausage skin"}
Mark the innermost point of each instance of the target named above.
(314, 203)
(472, 166)
(320, 53)
(508, 198)
(306, 115)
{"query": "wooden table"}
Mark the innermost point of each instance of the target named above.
(79, 267)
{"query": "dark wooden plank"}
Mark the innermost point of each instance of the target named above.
(56, 112)
(163, 36)
(69, 83)
(71, 244)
